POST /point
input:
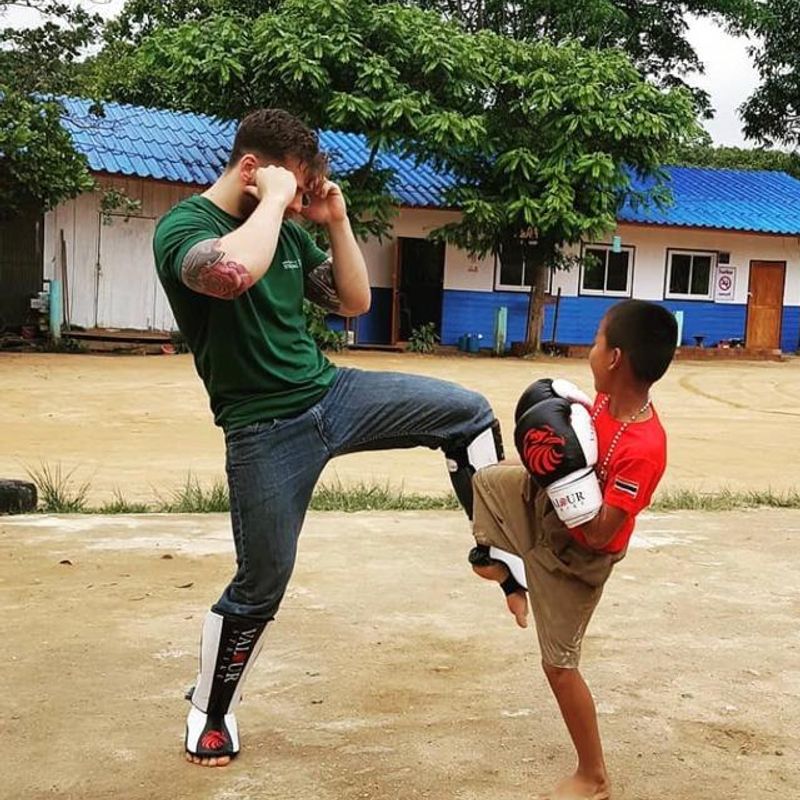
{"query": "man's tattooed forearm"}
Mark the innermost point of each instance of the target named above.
(320, 287)
(207, 270)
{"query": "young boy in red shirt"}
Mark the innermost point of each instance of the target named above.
(569, 511)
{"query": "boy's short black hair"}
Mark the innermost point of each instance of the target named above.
(273, 133)
(647, 333)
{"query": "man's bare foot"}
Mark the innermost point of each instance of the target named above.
(577, 787)
(517, 602)
(221, 761)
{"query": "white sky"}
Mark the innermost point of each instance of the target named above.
(730, 76)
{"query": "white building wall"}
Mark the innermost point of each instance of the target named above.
(80, 219)
(460, 272)
(133, 269)
(650, 258)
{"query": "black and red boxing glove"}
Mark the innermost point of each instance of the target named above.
(548, 389)
(557, 443)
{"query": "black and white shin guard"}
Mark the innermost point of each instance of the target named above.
(484, 450)
(228, 648)
(464, 461)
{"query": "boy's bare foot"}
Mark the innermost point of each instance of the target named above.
(221, 761)
(579, 788)
(517, 602)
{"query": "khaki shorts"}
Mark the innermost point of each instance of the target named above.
(565, 580)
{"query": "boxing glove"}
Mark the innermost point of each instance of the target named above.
(547, 389)
(557, 443)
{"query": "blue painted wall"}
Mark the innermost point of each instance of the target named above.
(790, 333)
(374, 327)
(578, 318)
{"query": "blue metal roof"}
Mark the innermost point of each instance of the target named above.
(193, 148)
(728, 199)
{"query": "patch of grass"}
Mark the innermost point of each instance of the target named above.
(119, 505)
(375, 497)
(192, 498)
(724, 500)
(59, 493)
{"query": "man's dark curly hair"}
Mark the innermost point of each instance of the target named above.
(275, 134)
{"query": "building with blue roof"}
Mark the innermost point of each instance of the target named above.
(725, 254)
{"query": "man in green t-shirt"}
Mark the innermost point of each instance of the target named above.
(235, 267)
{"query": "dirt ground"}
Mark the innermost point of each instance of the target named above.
(391, 673)
(139, 424)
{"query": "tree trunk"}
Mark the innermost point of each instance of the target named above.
(536, 307)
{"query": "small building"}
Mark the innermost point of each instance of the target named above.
(726, 254)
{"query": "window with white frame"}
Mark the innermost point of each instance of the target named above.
(690, 274)
(604, 272)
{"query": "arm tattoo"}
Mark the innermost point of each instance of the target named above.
(320, 287)
(207, 270)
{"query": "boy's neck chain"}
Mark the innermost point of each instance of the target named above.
(602, 471)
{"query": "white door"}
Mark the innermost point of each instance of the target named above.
(126, 285)
(163, 320)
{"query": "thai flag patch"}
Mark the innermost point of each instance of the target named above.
(625, 486)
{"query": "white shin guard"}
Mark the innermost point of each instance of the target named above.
(228, 649)
(465, 460)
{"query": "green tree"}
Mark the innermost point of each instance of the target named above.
(539, 135)
(38, 163)
(653, 34)
(772, 113)
(761, 158)
(568, 128)
(47, 57)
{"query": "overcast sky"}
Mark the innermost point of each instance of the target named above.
(729, 78)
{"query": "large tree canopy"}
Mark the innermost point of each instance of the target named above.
(542, 137)
(654, 34)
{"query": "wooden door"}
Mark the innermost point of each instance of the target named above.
(765, 304)
(126, 286)
(21, 259)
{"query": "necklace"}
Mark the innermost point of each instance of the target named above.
(602, 471)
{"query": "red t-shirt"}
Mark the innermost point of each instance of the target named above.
(634, 470)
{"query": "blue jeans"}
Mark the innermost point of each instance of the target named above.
(273, 466)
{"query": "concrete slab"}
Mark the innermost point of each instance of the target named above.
(391, 671)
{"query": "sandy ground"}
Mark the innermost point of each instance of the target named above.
(391, 672)
(139, 424)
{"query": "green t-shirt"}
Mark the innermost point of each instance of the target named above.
(254, 354)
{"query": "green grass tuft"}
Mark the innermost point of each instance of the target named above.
(192, 498)
(724, 500)
(119, 505)
(375, 497)
(59, 493)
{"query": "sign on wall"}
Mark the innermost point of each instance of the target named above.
(725, 284)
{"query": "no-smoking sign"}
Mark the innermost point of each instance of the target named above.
(725, 287)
